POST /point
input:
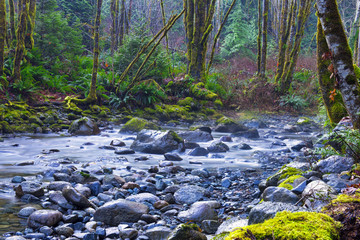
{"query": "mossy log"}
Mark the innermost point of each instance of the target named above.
(347, 82)
(335, 108)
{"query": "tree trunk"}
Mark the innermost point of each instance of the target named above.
(20, 36)
(129, 17)
(29, 38)
(259, 38)
(113, 13)
(2, 35)
(264, 39)
(92, 94)
(342, 59)
(12, 21)
(334, 104)
(122, 23)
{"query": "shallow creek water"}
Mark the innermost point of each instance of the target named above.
(73, 150)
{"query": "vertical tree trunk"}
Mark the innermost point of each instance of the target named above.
(189, 27)
(264, 38)
(342, 59)
(259, 38)
(20, 36)
(113, 6)
(334, 107)
(122, 23)
(92, 94)
(129, 17)
(2, 35)
(12, 21)
(29, 38)
(164, 23)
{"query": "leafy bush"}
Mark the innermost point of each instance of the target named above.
(293, 101)
(147, 93)
(213, 84)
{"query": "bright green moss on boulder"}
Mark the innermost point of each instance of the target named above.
(137, 124)
(199, 91)
(287, 183)
(294, 226)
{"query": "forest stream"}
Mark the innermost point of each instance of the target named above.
(38, 156)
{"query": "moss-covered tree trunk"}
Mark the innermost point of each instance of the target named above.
(258, 61)
(122, 23)
(114, 13)
(264, 39)
(129, 14)
(20, 36)
(198, 26)
(2, 35)
(29, 38)
(92, 93)
(341, 57)
(12, 21)
(333, 103)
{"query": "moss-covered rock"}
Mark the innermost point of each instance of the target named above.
(5, 127)
(294, 226)
(289, 181)
(187, 232)
(228, 125)
(137, 124)
(83, 126)
(190, 103)
(199, 91)
(218, 103)
(284, 173)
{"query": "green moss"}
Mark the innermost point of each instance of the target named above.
(221, 236)
(287, 183)
(200, 92)
(103, 114)
(304, 121)
(138, 124)
(36, 120)
(294, 226)
(218, 103)
(189, 101)
(1, 139)
(345, 198)
(287, 172)
(5, 127)
(225, 121)
(176, 137)
(357, 71)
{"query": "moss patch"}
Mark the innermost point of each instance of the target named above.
(295, 226)
(199, 91)
(287, 183)
(138, 124)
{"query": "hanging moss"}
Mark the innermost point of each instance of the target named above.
(295, 226)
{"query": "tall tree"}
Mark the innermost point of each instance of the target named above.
(264, 38)
(333, 102)
(29, 38)
(114, 13)
(2, 35)
(92, 93)
(198, 26)
(258, 63)
(20, 37)
(12, 20)
(347, 82)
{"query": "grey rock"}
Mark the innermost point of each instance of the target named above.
(26, 212)
(218, 147)
(230, 127)
(191, 145)
(250, 133)
(187, 232)
(157, 142)
(210, 226)
(302, 144)
(230, 224)
(46, 230)
(58, 185)
(172, 157)
(124, 151)
(32, 188)
(104, 197)
(15, 238)
(75, 197)
(338, 183)
(128, 233)
(196, 136)
(115, 212)
(58, 198)
(18, 179)
(335, 164)
(279, 194)
(113, 180)
(200, 211)
(35, 236)
(84, 127)
(199, 151)
(189, 194)
(300, 188)
(226, 139)
(44, 218)
(117, 143)
(61, 177)
(158, 233)
(112, 232)
(318, 194)
(64, 230)
(143, 198)
(226, 182)
(267, 210)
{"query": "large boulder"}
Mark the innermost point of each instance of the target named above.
(318, 194)
(196, 136)
(249, 133)
(143, 198)
(267, 210)
(115, 212)
(227, 125)
(84, 127)
(189, 194)
(157, 142)
(135, 125)
(200, 211)
(218, 147)
(279, 194)
(334, 164)
(44, 218)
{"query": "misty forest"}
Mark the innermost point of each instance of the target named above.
(180, 120)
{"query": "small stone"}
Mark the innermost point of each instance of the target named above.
(226, 182)
(18, 179)
(172, 157)
(124, 151)
(64, 230)
(26, 212)
(160, 204)
(117, 143)
(199, 151)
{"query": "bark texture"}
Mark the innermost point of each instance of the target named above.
(29, 38)
(342, 58)
(264, 38)
(2, 34)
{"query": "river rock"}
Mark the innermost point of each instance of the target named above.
(84, 127)
(229, 126)
(128, 233)
(303, 144)
(18, 179)
(113, 180)
(115, 212)
(226, 139)
(44, 218)
(279, 194)
(172, 157)
(26, 212)
(267, 210)
(124, 151)
(338, 183)
(117, 143)
(318, 194)
(158, 233)
(196, 136)
(28, 187)
(199, 151)
(136, 125)
(230, 224)
(157, 142)
(75, 197)
(189, 194)
(143, 198)
(200, 211)
(15, 238)
(187, 232)
(61, 177)
(218, 147)
(58, 185)
(335, 164)
(250, 133)
(64, 230)
(210, 226)
(58, 198)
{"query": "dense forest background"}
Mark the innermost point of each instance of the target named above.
(60, 62)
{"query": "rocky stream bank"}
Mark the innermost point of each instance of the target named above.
(196, 181)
